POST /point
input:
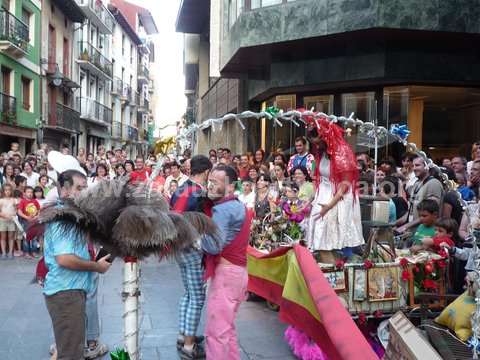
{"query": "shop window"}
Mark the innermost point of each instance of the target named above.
(255, 4)
(323, 103)
(362, 105)
(26, 93)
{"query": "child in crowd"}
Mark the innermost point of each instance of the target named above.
(247, 196)
(293, 208)
(428, 214)
(172, 188)
(45, 183)
(38, 194)
(20, 184)
(466, 193)
(446, 231)
(8, 211)
(28, 210)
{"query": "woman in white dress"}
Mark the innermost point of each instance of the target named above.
(335, 219)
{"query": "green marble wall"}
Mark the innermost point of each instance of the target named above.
(313, 18)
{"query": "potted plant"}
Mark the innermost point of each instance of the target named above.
(85, 56)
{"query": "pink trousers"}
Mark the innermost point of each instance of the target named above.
(227, 290)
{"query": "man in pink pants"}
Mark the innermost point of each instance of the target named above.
(226, 265)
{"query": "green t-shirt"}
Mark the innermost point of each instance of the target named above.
(422, 232)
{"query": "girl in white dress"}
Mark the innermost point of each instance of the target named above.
(335, 220)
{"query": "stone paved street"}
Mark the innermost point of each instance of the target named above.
(25, 329)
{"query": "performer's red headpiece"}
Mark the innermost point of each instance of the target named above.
(343, 164)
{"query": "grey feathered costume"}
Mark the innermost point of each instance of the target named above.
(130, 220)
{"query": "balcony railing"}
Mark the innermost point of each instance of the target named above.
(98, 14)
(117, 129)
(64, 117)
(117, 86)
(90, 54)
(132, 134)
(13, 30)
(143, 72)
(137, 98)
(144, 103)
(102, 13)
(8, 107)
(93, 110)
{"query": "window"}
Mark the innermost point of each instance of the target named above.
(26, 93)
(132, 51)
(123, 45)
(27, 19)
(6, 80)
(255, 4)
(322, 103)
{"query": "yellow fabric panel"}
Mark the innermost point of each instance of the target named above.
(457, 316)
(295, 288)
(272, 269)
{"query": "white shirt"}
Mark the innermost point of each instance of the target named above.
(248, 200)
(180, 180)
(32, 180)
(52, 174)
(51, 198)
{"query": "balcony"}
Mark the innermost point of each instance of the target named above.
(116, 130)
(8, 107)
(143, 74)
(98, 14)
(64, 117)
(130, 133)
(92, 110)
(91, 59)
(14, 35)
(151, 87)
(136, 98)
(144, 104)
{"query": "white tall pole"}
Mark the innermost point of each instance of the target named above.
(130, 305)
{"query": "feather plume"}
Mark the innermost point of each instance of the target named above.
(187, 235)
(141, 230)
(203, 224)
(140, 194)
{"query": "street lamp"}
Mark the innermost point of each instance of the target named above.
(57, 77)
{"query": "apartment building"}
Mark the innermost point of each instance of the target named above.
(125, 95)
(93, 54)
(60, 124)
(142, 22)
(20, 109)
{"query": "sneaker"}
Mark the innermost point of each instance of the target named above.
(197, 352)
(198, 340)
(18, 253)
(94, 352)
(10, 256)
(3, 257)
(53, 349)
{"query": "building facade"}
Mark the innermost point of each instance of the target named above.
(20, 108)
(92, 53)
(60, 124)
(141, 21)
(125, 97)
(390, 62)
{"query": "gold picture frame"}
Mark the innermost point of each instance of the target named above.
(338, 279)
(359, 284)
(383, 283)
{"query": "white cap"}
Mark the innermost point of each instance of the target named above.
(61, 163)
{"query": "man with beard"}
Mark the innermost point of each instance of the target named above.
(426, 187)
(226, 264)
